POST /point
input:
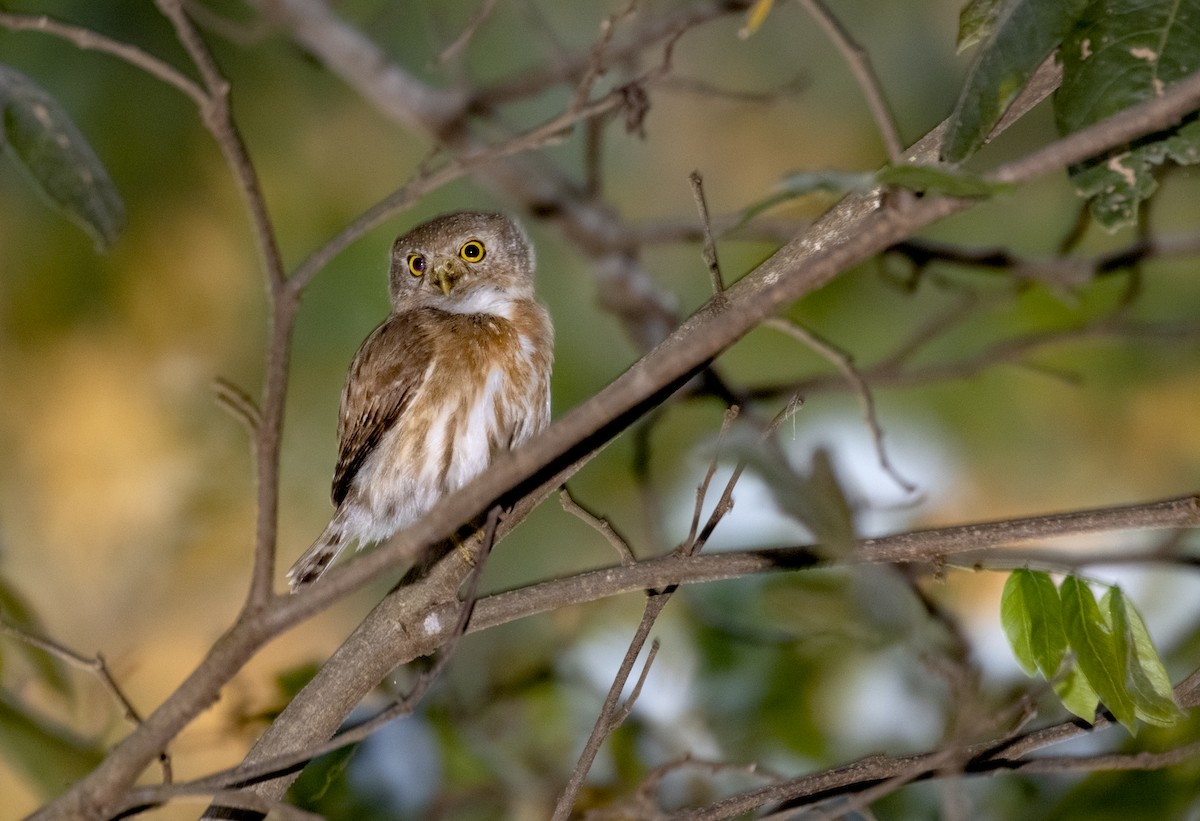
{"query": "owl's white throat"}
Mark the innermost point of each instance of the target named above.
(483, 300)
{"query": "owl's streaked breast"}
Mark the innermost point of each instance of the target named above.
(486, 388)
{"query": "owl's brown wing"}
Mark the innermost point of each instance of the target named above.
(383, 379)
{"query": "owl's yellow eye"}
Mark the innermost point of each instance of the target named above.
(472, 250)
(416, 264)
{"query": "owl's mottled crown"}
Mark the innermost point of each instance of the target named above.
(460, 257)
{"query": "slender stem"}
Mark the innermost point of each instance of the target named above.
(218, 118)
(710, 246)
(97, 666)
(94, 41)
(845, 365)
(916, 546)
(860, 64)
(601, 525)
(611, 712)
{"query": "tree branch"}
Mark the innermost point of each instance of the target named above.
(94, 41)
(218, 118)
(1005, 755)
(426, 616)
(855, 230)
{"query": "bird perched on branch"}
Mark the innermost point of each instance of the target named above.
(458, 372)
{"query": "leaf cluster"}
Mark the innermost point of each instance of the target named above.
(1114, 54)
(1090, 652)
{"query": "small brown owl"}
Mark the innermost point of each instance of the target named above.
(457, 373)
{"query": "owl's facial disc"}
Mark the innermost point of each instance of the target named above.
(447, 271)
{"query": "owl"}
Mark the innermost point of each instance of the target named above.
(459, 372)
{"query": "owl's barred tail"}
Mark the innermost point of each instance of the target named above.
(316, 560)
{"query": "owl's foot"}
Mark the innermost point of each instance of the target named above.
(465, 551)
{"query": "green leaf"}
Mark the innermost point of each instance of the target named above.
(1023, 34)
(49, 757)
(1096, 651)
(976, 21)
(1127, 52)
(57, 157)
(930, 179)
(1076, 694)
(1146, 678)
(1031, 614)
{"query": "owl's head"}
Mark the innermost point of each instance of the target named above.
(467, 262)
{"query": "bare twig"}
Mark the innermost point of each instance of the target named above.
(702, 491)
(1068, 561)
(892, 373)
(1059, 270)
(956, 753)
(628, 704)
(860, 64)
(653, 780)
(95, 665)
(238, 403)
(1112, 761)
(720, 510)
(648, 31)
(218, 118)
(845, 365)
(612, 713)
(460, 42)
(600, 525)
(914, 546)
(216, 114)
(94, 41)
(595, 67)
(230, 799)
(611, 716)
(710, 246)
(869, 794)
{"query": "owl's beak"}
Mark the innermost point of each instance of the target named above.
(446, 272)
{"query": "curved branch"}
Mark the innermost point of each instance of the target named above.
(1004, 755)
(94, 41)
(441, 624)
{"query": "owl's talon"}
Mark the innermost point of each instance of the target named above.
(464, 552)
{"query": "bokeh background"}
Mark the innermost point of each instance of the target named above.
(126, 493)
